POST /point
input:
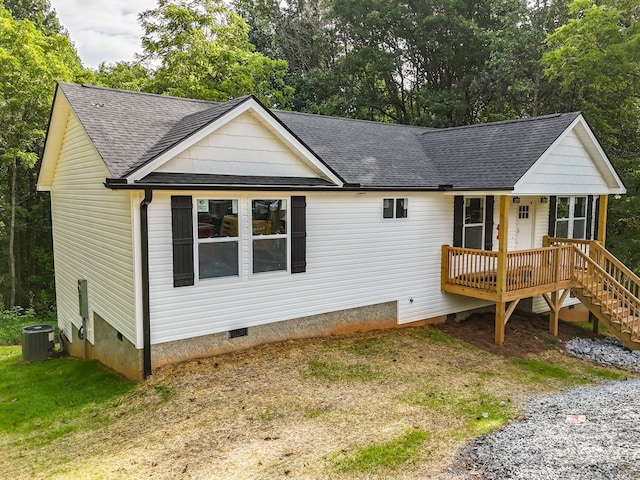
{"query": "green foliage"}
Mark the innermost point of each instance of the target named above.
(595, 58)
(388, 455)
(13, 321)
(48, 399)
(341, 372)
(204, 52)
(30, 64)
(122, 75)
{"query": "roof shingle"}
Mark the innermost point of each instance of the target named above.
(130, 129)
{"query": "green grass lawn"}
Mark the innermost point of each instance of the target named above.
(376, 405)
(44, 400)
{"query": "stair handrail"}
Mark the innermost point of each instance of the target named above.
(631, 297)
(600, 250)
(605, 274)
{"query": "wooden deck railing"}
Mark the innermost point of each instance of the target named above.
(530, 270)
(538, 267)
(618, 301)
(582, 245)
(615, 268)
(468, 267)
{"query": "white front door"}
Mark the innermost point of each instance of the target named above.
(525, 231)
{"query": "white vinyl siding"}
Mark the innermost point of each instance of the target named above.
(567, 168)
(354, 259)
(241, 147)
(93, 237)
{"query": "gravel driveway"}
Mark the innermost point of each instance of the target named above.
(554, 441)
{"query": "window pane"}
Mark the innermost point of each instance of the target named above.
(217, 218)
(269, 217)
(562, 209)
(218, 259)
(401, 207)
(387, 208)
(473, 237)
(579, 227)
(562, 228)
(580, 209)
(473, 210)
(269, 255)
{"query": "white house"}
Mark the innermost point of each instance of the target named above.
(204, 227)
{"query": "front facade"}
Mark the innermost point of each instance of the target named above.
(202, 228)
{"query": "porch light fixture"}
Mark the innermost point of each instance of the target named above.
(515, 199)
(544, 200)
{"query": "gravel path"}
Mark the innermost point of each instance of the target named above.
(589, 433)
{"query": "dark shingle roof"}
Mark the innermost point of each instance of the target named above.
(492, 155)
(129, 129)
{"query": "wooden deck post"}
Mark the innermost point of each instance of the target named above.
(501, 273)
(554, 314)
(601, 234)
(501, 321)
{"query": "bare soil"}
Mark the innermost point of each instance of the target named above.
(271, 412)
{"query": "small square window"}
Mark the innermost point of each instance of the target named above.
(523, 211)
(395, 208)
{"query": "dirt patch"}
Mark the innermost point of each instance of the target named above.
(526, 334)
(294, 409)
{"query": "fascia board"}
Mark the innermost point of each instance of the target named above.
(600, 158)
(58, 120)
(249, 105)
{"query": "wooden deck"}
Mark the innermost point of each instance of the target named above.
(475, 273)
(606, 286)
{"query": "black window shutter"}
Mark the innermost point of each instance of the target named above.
(488, 223)
(552, 215)
(588, 234)
(458, 220)
(298, 234)
(182, 232)
(596, 219)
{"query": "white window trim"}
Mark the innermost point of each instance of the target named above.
(198, 241)
(253, 237)
(571, 218)
(481, 224)
(395, 206)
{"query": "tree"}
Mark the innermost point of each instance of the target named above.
(38, 11)
(203, 51)
(511, 84)
(30, 64)
(596, 60)
(123, 75)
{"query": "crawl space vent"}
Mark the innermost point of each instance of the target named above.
(240, 332)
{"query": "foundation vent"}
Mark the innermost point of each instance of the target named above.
(239, 332)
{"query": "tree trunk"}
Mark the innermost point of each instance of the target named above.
(12, 234)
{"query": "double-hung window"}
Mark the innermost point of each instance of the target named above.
(218, 238)
(269, 235)
(571, 217)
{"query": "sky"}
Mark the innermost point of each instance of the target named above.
(103, 31)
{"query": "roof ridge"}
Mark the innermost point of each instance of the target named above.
(506, 122)
(336, 117)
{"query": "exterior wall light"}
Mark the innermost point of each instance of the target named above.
(515, 199)
(544, 200)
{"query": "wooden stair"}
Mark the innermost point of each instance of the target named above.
(610, 291)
